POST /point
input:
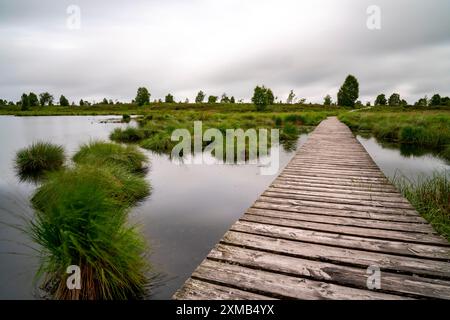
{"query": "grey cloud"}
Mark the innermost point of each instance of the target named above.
(223, 46)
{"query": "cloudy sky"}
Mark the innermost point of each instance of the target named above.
(182, 46)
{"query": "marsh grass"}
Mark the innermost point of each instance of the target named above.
(127, 135)
(422, 129)
(155, 129)
(34, 162)
(104, 153)
(81, 219)
(431, 198)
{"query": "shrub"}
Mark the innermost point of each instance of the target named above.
(103, 153)
(40, 157)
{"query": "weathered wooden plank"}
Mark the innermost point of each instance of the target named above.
(352, 257)
(382, 189)
(200, 290)
(336, 172)
(333, 198)
(282, 205)
(344, 221)
(352, 276)
(394, 235)
(350, 196)
(303, 186)
(344, 182)
(280, 286)
(433, 251)
(332, 175)
(332, 204)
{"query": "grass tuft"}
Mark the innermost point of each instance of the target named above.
(41, 157)
(103, 153)
(431, 198)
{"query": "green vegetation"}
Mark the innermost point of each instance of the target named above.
(431, 198)
(81, 219)
(34, 162)
(262, 97)
(142, 97)
(130, 135)
(155, 129)
(423, 129)
(63, 102)
(100, 153)
(349, 92)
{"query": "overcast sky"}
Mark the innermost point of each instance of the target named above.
(182, 46)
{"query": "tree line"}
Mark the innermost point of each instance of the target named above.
(347, 96)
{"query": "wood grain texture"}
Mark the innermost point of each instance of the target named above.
(329, 216)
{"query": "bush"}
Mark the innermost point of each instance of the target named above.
(103, 153)
(126, 118)
(40, 157)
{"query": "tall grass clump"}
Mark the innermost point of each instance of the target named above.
(103, 153)
(41, 157)
(81, 219)
(128, 135)
(431, 198)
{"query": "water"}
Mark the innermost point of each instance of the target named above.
(190, 208)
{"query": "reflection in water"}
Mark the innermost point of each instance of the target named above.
(395, 162)
(189, 210)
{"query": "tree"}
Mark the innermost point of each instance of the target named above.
(225, 99)
(232, 100)
(422, 102)
(45, 99)
(81, 103)
(327, 100)
(394, 100)
(200, 97)
(24, 103)
(445, 101)
(380, 100)
(270, 97)
(63, 102)
(169, 99)
(105, 101)
(260, 98)
(212, 99)
(435, 100)
(403, 102)
(349, 92)
(142, 96)
(33, 100)
(291, 97)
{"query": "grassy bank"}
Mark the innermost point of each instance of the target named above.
(129, 108)
(431, 198)
(423, 129)
(81, 218)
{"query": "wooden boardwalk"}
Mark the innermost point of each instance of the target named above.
(314, 232)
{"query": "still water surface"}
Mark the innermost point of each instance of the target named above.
(190, 208)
